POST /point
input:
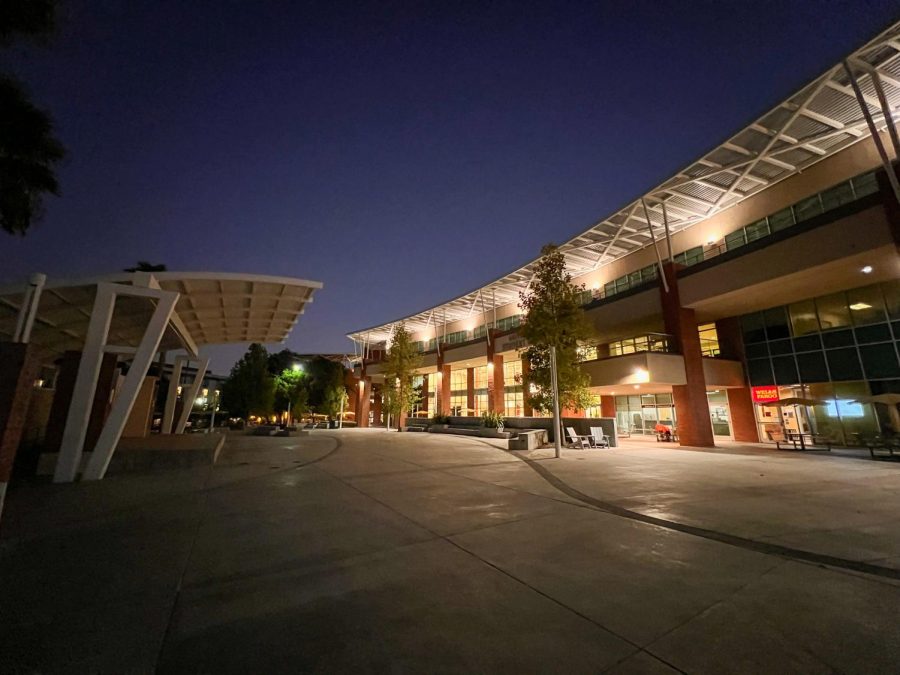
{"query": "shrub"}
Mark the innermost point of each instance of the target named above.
(440, 419)
(492, 420)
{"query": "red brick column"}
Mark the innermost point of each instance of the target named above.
(608, 406)
(470, 390)
(691, 404)
(17, 376)
(425, 392)
(62, 397)
(445, 389)
(740, 405)
(379, 416)
(363, 392)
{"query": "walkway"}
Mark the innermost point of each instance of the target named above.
(375, 551)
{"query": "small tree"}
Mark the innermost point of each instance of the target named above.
(250, 389)
(291, 392)
(554, 317)
(399, 370)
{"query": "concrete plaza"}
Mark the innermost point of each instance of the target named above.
(366, 550)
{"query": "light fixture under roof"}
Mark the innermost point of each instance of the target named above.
(858, 306)
(867, 269)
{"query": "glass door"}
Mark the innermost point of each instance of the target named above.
(718, 413)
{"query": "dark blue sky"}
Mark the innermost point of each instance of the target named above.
(402, 153)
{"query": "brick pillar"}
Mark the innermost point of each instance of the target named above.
(20, 369)
(442, 384)
(691, 405)
(62, 397)
(740, 405)
(527, 410)
(608, 406)
(425, 392)
(470, 390)
(363, 391)
(496, 402)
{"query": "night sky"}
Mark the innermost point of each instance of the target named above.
(401, 153)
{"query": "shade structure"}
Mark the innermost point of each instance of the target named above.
(212, 308)
(795, 401)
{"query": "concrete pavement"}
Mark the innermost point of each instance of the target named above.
(374, 551)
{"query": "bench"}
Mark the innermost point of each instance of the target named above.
(884, 449)
(798, 442)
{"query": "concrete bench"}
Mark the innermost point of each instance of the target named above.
(529, 439)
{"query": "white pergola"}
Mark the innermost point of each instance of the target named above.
(834, 111)
(136, 315)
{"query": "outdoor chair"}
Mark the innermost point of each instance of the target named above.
(583, 442)
(600, 439)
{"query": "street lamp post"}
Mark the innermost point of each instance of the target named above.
(556, 419)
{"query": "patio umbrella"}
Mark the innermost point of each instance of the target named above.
(796, 401)
(891, 401)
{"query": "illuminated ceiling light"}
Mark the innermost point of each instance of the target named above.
(637, 386)
(596, 286)
(867, 269)
(857, 306)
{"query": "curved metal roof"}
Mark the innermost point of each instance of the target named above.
(818, 121)
(212, 308)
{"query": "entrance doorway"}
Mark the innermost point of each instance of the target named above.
(718, 413)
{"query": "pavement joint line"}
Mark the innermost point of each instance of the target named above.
(758, 546)
(200, 516)
(487, 563)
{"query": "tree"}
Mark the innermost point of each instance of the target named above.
(144, 266)
(250, 388)
(554, 317)
(29, 152)
(291, 392)
(326, 385)
(403, 359)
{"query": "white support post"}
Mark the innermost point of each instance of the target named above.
(190, 395)
(888, 167)
(172, 396)
(124, 402)
(75, 431)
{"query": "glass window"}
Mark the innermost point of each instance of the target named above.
(812, 367)
(866, 184)
(778, 347)
(891, 291)
(459, 380)
(833, 311)
(513, 404)
(785, 370)
(512, 373)
(760, 372)
(879, 361)
(781, 220)
(803, 317)
(757, 351)
(776, 323)
(866, 305)
(609, 289)
(709, 339)
(481, 379)
(878, 332)
(808, 208)
(837, 338)
(844, 364)
(735, 240)
(807, 343)
(757, 230)
(753, 327)
(837, 196)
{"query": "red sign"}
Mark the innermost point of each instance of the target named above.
(764, 394)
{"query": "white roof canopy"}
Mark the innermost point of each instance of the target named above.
(821, 119)
(212, 308)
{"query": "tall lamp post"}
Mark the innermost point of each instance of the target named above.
(557, 421)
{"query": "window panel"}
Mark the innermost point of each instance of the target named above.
(785, 370)
(757, 230)
(807, 343)
(866, 305)
(753, 327)
(880, 361)
(803, 317)
(837, 338)
(808, 208)
(844, 364)
(833, 311)
(781, 220)
(837, 196)
(760, 372)
(776, 323)
(812, 367)
(735, 240)
(778, 347)
(866, 184)
(756, 351)
(879, 332)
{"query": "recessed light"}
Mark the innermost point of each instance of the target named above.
(637, 386)
(867, 269)
(860, 305)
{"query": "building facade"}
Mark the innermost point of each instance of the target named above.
(756, 292)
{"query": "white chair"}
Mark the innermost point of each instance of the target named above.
(577, 441)
(601, 440)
